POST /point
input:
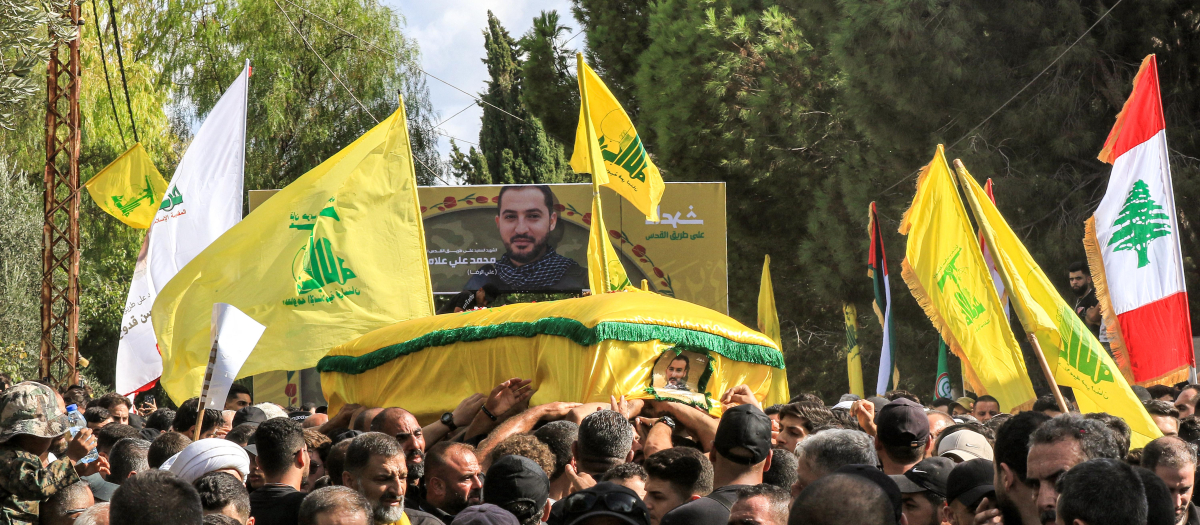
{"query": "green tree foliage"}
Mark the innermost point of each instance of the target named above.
(28, 31)
(517, 151)
(550, 90)
(470, 167)
(811, 110)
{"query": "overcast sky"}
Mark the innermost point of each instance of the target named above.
(450, 34)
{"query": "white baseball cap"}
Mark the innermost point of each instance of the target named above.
(965, 445)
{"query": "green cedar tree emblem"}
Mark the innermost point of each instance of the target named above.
(1141, 221)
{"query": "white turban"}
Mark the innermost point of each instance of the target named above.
(207, 455)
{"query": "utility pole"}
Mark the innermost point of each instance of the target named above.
(60, 231)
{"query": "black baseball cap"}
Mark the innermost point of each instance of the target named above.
(930, 475)
(516, 478)
(485, 514)
(902, 423)
(970, 481)
(876, 476)
(250, 414)
(744, 429)
(604, 499)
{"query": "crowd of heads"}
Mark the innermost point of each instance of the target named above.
(495, 460)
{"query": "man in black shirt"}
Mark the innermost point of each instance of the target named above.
(1087, 307)
(283, 460)
(375, 466)
(469, 299)
(741, 452)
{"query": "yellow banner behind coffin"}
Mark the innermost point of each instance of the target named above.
(641, 345)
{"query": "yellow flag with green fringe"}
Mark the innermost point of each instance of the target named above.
(1074, 354)
(129, 188)
(336, 254)
(945, 271)
(768, 316)
(609, 148)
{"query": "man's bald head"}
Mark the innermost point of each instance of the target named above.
(842, 499)
(362, 421)
(65, 505)
(96, 515)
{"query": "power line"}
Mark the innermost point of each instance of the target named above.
(327, 68)
(112, 18)
(388, 53)
(104, 62)
(469, 106)
(1022, 90)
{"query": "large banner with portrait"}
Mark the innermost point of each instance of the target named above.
(534, 239)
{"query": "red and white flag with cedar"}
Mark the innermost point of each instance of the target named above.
(1133, 245)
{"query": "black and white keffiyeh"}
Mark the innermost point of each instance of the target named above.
(543, 273)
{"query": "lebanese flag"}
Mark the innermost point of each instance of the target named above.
(1132, 243)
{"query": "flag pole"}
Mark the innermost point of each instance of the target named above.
(203, 399)
(961, 172)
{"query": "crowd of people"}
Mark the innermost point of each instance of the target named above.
(494, 460)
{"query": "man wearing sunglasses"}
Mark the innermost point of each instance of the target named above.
(740, 453)
(604, 504)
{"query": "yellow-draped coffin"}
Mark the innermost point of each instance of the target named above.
(638, 344)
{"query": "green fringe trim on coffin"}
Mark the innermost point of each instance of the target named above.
(562, 327)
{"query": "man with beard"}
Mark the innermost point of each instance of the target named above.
(1056, 447)
(1086, 305)
(283, 460)
(452, 480)
(1014, 501)
(677, 373)
(525, 218)
(375, 467)
(402, 425)
(1173, 460)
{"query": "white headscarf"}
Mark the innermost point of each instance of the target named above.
(207, 455)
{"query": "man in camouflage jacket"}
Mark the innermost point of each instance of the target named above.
(31, 417)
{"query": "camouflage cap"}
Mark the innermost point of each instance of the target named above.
(30, 408)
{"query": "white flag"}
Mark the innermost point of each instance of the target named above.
(234, 334)
(203, 200)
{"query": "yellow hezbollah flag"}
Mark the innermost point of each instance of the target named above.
(1074, 354)
(853, 353)
(944, 268)
(768, 317)
(605, 273)
(582, 350)
(129, 188)
(607, 146)
(336, 254)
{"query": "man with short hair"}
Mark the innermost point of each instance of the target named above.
(283, 460)
(107, 437)
(605, 441)
(827, 451)
(164, 446)
(938, 421)
(902, 435)
(238, 398)
(335, 505)
(1015, 498)
(1056, 447)
(519, 486)
(967, 485)
(95, 515)
(402, 425)
(65, 505)
(741, 452)
(96, 417)
(784, 469)
(1165, 416)
(677, 373)
(375, 466)
(986, 407)
(1173, 460)
(924, 490)
(1186, 402)
(761, 505)
(673, 477)
(629, 475)
(452, 480)
(560, 436)
(798, 421)
(1087, 307)
(221, 493)
(1100, 491)
(186, 416)
(127, 457)
(846, 499)
(117, 405)
(156, 497)
(525, 218)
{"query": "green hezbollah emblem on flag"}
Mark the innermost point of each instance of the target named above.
(967, 303)
(316, 265)
(1078, 351)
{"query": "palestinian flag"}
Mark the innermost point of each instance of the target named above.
(1132, 243)
(877, 270)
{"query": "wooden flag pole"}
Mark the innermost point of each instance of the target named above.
(1058, 397)
(203, 400)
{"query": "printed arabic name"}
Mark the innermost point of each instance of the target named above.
(675, 221)
(460, 250)
(442, 261)
(675, 236)
(169, 216)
